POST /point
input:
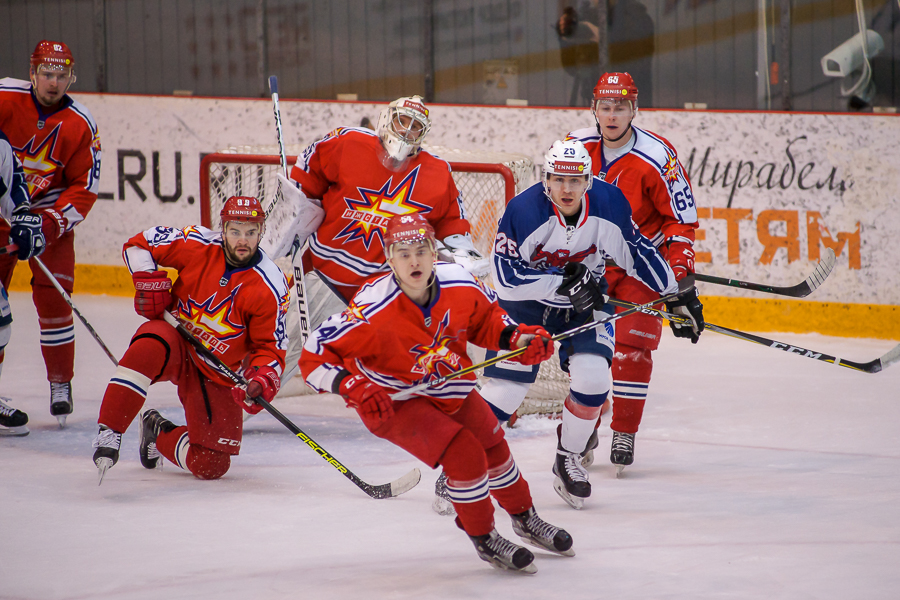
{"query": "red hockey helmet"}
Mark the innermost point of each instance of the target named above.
(616, 85)
(408, 229)
(54, 56)
(245, 209)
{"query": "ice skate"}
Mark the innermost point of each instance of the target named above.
(152, 424)
(107, 444)
(503, 554)
(442, 504)
(61, 404)
(12, 420)
(537, 532)
(571, 481)
(587, 457)
(622, 453)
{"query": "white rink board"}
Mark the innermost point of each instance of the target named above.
(826, 173)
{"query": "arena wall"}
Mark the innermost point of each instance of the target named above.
(773, 191)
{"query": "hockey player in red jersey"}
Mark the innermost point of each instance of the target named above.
(645, 167)
(56, 140)
(232, 297)
(409, 327)
(365, 178)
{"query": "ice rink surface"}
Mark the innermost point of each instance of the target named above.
(757, 475)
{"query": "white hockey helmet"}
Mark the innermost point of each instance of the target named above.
(570, 158)
(402, 126)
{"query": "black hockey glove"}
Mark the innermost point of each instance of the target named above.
(25, 232)
(583, 291)
(688, 305)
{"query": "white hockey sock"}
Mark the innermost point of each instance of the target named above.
(504, 394)
(576, 431)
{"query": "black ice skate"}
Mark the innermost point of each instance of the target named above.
(537, 532)
(152, 424)
(622, 453)
(12, 420)
(503, 554)
(587, 457)
(571, 481)
(442, 504)
(61, 401)
(107, 444)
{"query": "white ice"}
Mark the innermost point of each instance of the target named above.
(757, 475)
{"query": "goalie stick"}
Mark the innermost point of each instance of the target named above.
(801, 290)
(873, 366)
(386, 490)
(409, 392)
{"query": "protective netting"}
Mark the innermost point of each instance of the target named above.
(252, 170)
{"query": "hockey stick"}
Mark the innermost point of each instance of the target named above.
(873, 366)
(387, 490)
(8, 249)
(801, 290)
(404, 394)
(68, 299)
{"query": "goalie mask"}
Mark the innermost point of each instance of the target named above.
(402, 126)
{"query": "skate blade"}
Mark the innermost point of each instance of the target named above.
(529, 569)
(588, 459)
(532, 542)
(443, 507)
(103, 465)
(573, 501)
(61, 419)
(620, 471)
(20, 431)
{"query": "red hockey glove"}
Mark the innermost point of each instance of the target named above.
(261, 381)
(536, 340)
(53, 224)
(371, 401)
(681, 259)
(152, 293)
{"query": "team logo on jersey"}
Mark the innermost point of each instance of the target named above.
(670, 170)
(38, 162)
(429, 359)
(540, 258)
(212, 324)
(354, 313)
(369, 216)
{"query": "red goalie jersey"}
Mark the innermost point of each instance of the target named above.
(359, 194)
(395, 343)
(652, 179)
(236, 312)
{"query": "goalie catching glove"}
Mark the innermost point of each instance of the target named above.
(152, 293)
(460, 250)
(371, 401)
(581, 288)
(687, 305)
(261, 381)
(536, 340)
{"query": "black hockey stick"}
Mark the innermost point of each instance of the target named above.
(387, 490)
(409, 392)
(873, 366)
(801, 290)
(8, 249)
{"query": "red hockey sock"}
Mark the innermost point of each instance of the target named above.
(506, 483)
(631, 371)
(127, 389)
(465, 464)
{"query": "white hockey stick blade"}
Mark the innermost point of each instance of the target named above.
(406, 483)
(822, 270)
(892, 356)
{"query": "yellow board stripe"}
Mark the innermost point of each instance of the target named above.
(762, 314)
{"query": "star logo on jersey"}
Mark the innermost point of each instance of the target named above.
(670, 170)
(38, 162)
(369, 216)
(430, 358)
(354, 312)
(211, 324)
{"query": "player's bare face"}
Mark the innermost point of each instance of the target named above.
(50, 85)
(241, 241)
(614, 118)
(413, 265)
(566, 192)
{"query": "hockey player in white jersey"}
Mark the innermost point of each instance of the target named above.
(25, 233)
(548, 263)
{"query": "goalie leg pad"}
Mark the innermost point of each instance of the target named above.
(631, 372)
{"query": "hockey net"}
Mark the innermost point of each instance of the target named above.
(486, 180)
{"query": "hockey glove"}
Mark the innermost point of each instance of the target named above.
(688, 305)
(261, 381)
(681, 259)
(152, 293)
(371, 401)
(460, 250)
(582, 289)
(26, 233)
(53, 224)
(537, 341)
